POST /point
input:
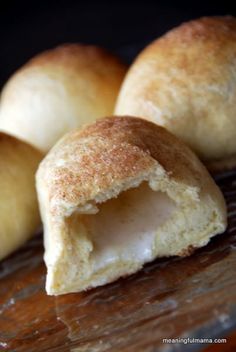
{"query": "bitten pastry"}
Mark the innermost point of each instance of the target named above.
(58, 90)
(186, 82)
(19, 215)
(118, 194)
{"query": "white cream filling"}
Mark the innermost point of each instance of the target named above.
(124, 228)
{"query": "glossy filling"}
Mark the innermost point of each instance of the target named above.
(124, 228)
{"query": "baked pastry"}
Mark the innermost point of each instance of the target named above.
(19, 215)
(58, 90)
(186, 82)
(117, 194)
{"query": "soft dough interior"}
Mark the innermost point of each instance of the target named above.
(124, 227)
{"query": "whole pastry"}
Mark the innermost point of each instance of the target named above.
(19, 215)
(117, 194)
(186, 82)
(58, 90)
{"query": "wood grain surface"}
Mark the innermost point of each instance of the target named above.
(169, 298)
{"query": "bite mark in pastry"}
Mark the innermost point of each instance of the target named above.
(118, 194)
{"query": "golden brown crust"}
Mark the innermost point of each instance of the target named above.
(113, 150)
(58, 90)
(74, 55)
(19, 215)
(215, 28)
(88, 167)
(214, 35)
(185, 82)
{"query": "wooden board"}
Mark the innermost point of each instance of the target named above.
(169, 298)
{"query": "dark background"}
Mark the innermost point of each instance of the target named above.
(27, 28)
